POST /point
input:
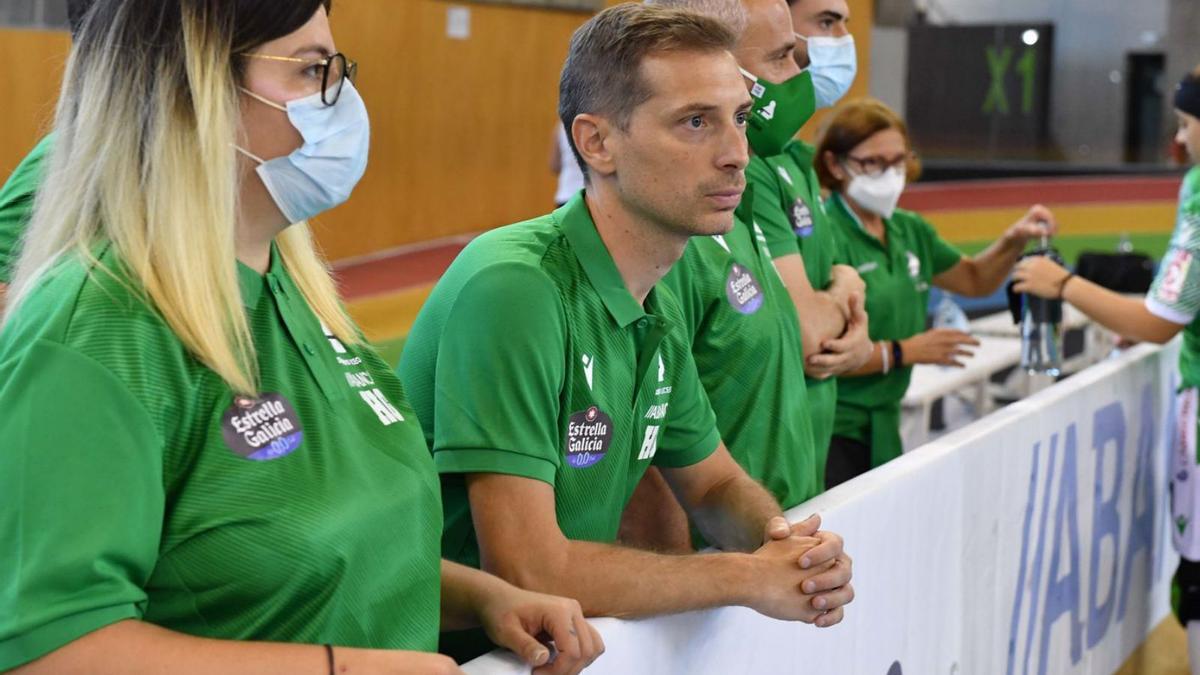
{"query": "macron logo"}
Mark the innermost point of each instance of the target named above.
(662, 369)
(589, 363)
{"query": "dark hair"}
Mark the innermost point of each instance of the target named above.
(602, 74)
(158, 23)
(852, 123)
(76, 10)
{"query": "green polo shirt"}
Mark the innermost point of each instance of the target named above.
(137, 486)
(746, 341)
(1175, 294)
(898, 278)
(531, 358)
(787, 206)
(16, 205)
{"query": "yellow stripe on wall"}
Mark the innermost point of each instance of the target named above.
(1092, 219)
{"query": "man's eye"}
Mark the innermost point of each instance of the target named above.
(696, 122)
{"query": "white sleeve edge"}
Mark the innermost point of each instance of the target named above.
(1166, 313)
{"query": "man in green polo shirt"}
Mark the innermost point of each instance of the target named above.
(787, 197)
(549, 371)
(745, 331)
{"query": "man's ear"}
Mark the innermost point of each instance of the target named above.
(593, 135)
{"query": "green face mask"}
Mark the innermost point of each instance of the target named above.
(779, 112)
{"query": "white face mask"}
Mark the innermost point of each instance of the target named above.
(878, 194)
(833, 63)
(323, 171)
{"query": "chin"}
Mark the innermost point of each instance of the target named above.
(720, 222)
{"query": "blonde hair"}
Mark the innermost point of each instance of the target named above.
(143, 160)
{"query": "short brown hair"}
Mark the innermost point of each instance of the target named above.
(852, 123)
(602, 74)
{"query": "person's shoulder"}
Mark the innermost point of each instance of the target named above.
(906, 218)
(1189, 192)
(92, 304)
(524, 243)
(801, 152)
(93, 308)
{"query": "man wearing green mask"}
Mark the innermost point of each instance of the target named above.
(787, 200)
(746, 340)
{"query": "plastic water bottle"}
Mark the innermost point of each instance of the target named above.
(1041, 327)
(947, 314)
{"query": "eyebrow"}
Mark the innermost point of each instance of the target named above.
(830, 14)
(313, 48)
(697, 108)
(783, 51)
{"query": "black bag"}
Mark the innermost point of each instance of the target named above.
(1120, 272)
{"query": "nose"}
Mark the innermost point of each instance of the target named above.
(734, 153)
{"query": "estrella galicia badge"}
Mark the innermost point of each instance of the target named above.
(262, 429)
(589, 435)
(802, 220)
(743, 290)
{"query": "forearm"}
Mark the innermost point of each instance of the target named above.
(733, 514)
(991, 267)
(135, 647)
(611, 580)
(1123, 315)
(821, 319)
(463, 590)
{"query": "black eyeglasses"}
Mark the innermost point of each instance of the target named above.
(335, 70)
(876, 165)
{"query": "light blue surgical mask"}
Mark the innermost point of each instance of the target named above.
(833, 64)
(322, 172)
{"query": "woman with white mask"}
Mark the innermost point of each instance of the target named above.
(206, 468)
(865, 160)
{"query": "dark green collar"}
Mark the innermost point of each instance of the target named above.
(597, 262)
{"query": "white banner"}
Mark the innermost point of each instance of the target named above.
(1033, 541)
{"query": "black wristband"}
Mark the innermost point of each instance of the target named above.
(897, 355)
(329, 657)
(1062, 286)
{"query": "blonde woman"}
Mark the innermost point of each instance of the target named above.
(204, 468)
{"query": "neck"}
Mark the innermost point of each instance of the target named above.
(259, 221)
(642, 249)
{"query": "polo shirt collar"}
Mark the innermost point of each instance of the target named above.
(887, 222)
(251, 282)
(597, 262)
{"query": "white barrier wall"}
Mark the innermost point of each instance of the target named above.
(1033, 541)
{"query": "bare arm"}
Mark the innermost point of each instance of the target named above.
(821, 318)
(520, 541)
(137, 648)
(981, 275)
(727, 505)
(1122, 315)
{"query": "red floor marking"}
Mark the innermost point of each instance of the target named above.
(396, 272)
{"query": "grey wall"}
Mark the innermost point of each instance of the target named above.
(1092, 39)
(38, 14)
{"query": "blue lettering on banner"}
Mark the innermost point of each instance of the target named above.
(1051, 521)
(1144, 529)
(1062, 592)
(1109, 429)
